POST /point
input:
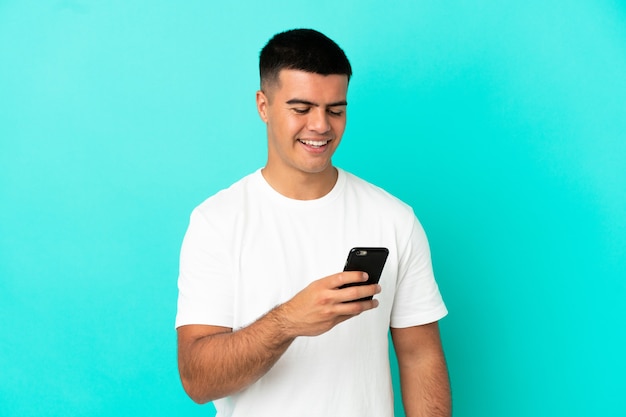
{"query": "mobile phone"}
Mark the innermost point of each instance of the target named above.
(370, 260)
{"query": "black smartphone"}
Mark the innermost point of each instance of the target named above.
(370, 260)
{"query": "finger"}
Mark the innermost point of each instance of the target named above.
(357, 292)
(349, 277)
(354, 308)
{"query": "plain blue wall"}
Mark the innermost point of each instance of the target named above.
(502, 123)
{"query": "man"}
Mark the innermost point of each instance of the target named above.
(264, 328)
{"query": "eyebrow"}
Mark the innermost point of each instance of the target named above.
(310, 103)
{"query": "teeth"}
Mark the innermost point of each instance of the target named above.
(314, 142)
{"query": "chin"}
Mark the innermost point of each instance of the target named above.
(318, 170)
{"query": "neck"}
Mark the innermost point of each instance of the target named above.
(302, 186)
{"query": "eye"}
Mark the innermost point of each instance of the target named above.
(335, 112)
(300, 110)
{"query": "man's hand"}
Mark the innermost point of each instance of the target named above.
(215, 362)
(322, 304)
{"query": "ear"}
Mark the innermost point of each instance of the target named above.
(262, 103)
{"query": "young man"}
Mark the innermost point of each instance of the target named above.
(264, 328)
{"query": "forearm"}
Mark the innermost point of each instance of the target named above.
(215, 362)
(222, 364)
(426, 388)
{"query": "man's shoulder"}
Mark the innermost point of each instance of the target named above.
(363, 189)
(230, 199)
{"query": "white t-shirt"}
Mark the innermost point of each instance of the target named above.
(249, 248)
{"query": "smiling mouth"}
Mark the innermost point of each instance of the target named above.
(314, 143)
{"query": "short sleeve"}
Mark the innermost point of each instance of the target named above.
(205, 294)
(418, 300)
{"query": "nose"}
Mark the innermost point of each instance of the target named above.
(318, 121)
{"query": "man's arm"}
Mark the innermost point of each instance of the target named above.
(423, 372)
(215, 361)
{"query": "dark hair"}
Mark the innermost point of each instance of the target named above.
(302, 49)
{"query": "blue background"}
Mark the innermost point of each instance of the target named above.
(502, 123)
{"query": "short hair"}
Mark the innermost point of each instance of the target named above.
(302, 49)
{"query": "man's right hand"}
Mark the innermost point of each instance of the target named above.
(216, 361)
(322, 304)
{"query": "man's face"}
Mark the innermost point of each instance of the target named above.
(305, 115)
